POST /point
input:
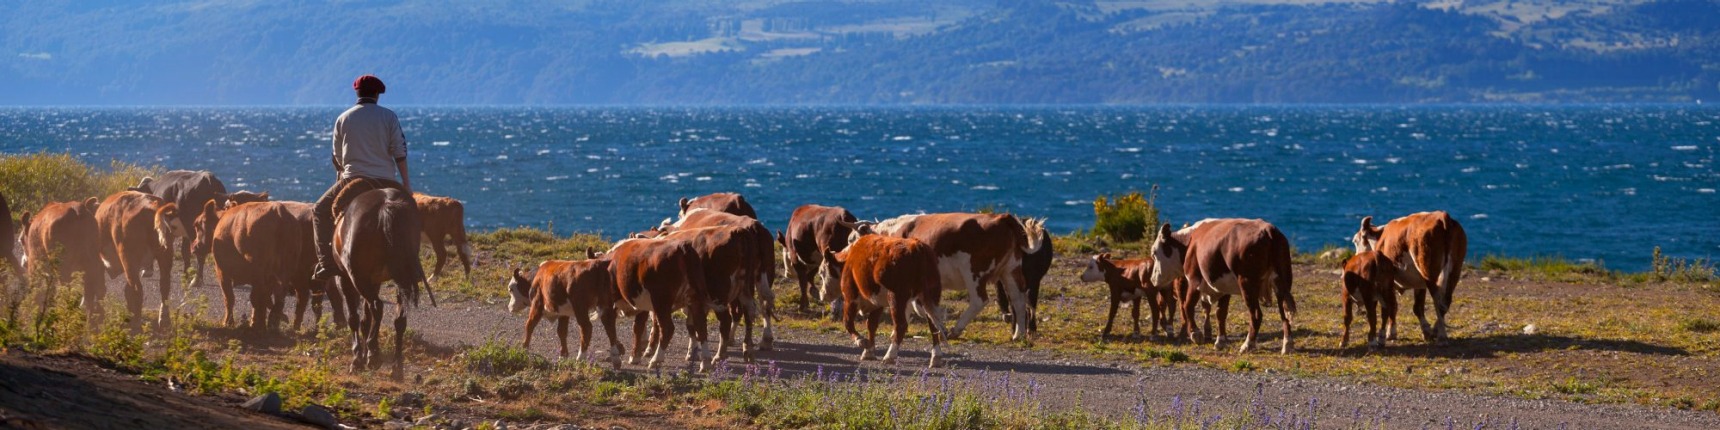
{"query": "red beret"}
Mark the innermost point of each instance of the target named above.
(369, 84)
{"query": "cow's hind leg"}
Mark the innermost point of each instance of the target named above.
(607, 317)
(899, 318)
(133, 295)
(561, 334)
(934, 316)
(1349, 305)
(975, 304)
(584, 321)
(441, 251)
(1371, 302)
(1014, 284)
(640, 337)
(1421, 315)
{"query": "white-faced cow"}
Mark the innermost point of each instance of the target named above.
(975, 250)
(1228, 257)
(1428, 249)
(1034, 267)
(814, 231)
(721, 202)
(656, 277)
(878, 272)
(1127, 279)
(564, 290)
(1367, 279)
(138, 230)
(189, 190)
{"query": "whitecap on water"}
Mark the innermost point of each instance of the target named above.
(502, 157)
(1705, 190)
(902, 138)
(1684, 148)
(702, 178)
(802, 176)
(985, 187)
(439, 143)
(1478, 216)
(1129, 149)
(555, 178)
(1235, 189)
(1075, 202)
(1471, 169)
(543, 152)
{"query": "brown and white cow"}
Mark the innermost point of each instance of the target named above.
(721, 202)
(1368, 278)
(1228, 257)
(730, 268)
(189, 190)
(878, 272)
(137, 230)
(61, 239)
(1428, 250)
(1034, 267)
(564, 290)
(656, 277)
(973, 251)
(445, 224)
(764, 249)
(1128, 281)
(814, 231)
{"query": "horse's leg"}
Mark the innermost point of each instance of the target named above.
(400, 336)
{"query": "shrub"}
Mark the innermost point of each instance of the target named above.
(1130, 217)
(32, 180)
(1679, 269)
(498, 358)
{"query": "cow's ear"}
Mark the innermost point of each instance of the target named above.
(1165, 230)
(780, 239)
(264, 195)
(24, 221)
(684, 203)
(211, 207)
(91, 202)
(591, 253)
(1368, 223)
(1105, 256)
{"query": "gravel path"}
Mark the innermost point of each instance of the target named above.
(1110, 387)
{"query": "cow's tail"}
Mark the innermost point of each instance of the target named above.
(1456, 251)
(1035, 231)
(1283, 274)
(401, 228)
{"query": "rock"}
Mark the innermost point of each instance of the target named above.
(268, 403)
(566, 427)
(410, 399)
(501, 425)
(318, 415)
(1530, 329)
(1333, 254)
(425, 420)
(396, 425)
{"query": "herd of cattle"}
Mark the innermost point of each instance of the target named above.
(715, 257)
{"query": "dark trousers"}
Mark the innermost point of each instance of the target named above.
(322, 222)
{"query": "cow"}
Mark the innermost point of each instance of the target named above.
(730, 268)
(137, 230)
(812, 232)
(1034, 267)
(765, 251)
(189, 190)
(1128, 281)
(974, 250)
(1219, 258)
(657, 277)
(878, 272)
(376, 240)
(564, 289)
(61, 239)
(242, 197)
(445, 224)
(268, 246)
(9, 241)
(1367, 279)
(721, 202)
(1428, 250)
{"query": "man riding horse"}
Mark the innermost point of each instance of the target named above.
(368, 145)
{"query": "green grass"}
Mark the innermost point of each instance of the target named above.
(31, 180)
(1550, 268)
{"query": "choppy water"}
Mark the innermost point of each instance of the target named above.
(1589, 182)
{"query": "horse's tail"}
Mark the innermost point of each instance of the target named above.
(401, 228)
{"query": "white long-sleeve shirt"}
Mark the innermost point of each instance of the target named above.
(367, 140)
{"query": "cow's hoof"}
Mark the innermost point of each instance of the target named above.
(934, 362)
(888, 360)
(765, 344)
(866, 354)
(748, 356)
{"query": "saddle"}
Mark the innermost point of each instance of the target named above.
(357, 187)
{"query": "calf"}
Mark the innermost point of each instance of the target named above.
(1368, 280)
(189, 190)
(567, 290)
(1227, 257)
(445, 224)
(721, 202)
(658, 276)
(814, 231)
(879, 271)
(1428, 249)
(1128, 280)
(138, 229)
(61, 239)
(975, 250)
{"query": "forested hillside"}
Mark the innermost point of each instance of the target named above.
(860, 51)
